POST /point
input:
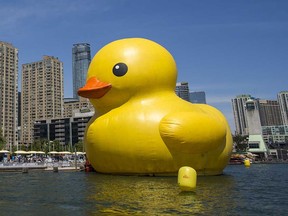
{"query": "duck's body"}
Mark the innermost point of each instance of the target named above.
(142, 127)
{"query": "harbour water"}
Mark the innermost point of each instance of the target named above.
(261, 189)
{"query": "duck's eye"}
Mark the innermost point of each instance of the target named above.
(120, 69)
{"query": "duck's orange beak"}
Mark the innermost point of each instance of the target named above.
(94, 88)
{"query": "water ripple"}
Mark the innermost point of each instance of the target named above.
(259, 190)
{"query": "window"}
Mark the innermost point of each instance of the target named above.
(253, 145)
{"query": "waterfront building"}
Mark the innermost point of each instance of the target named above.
(239, 112)
(277, 134)
(68, 131)
(182, 90)
(269, 111)
(9, 93)
(283, 102)
(276, 137)
(81, 58)
(256, 143)
(197, 97)
(42, 94)
(71, 104)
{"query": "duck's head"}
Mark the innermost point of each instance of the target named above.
(127, 68)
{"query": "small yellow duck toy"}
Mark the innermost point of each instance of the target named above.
(140, 125)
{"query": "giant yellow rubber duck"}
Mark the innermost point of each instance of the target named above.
(140, 125)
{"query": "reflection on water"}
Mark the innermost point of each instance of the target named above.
(258, 190)
(158, 195)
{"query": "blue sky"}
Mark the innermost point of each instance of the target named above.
(224, 48)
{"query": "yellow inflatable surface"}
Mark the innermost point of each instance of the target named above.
(140, 125)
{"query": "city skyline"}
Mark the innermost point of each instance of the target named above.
(224, 49)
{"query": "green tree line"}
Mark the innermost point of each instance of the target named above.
(46, 146)
(2, 140)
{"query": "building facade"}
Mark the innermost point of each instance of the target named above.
(283, 102)
(276, 137)
(182, 90)
(9, 93)
(197, 97)
(277, 134)
(68, 131)
(81, 58)
(42, 94)
(239, 113)
(269, 111)
(256, 142)
(71, 104)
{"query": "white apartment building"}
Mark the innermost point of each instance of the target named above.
(239, 112)
(283, 102)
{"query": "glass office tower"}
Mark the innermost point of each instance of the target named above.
(197, 97)
(81, 58)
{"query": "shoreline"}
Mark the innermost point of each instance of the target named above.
(260, 162)
(26, 167)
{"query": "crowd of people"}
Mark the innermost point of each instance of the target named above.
(7, 159)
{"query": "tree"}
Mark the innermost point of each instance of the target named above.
(57, 146)
(2, 140)
(241, 142)
(36, 145)
(79, 146)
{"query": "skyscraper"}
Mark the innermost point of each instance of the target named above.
(42, 94)
(197, 97)
(81, 58)
(182, 90)
(256, 143)
(269, 111)
(283, 102)
(9, 93)
(239, 112)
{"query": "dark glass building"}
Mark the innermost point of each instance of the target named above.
(81, 58)
(65, 130)
(197, 97)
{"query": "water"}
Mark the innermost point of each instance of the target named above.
(261, 189)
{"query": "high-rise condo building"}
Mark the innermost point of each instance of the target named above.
(9, 93)
(81, 58)
(283, 102)
(42, 94)
(197, 97)
(239, 112)
(269, 111)
(182, 90)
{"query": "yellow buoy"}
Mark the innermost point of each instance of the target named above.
(247, 163)
(187, 178)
